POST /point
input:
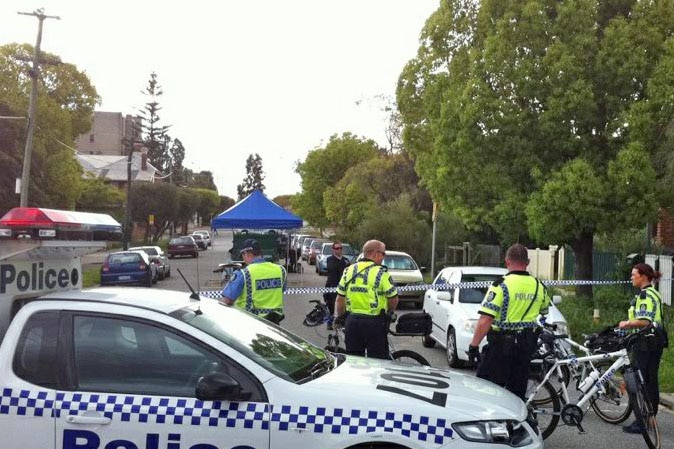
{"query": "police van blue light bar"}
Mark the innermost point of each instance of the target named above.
(49, 224)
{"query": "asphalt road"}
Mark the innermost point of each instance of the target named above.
(199, 272)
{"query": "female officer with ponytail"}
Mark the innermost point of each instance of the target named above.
(645, 310)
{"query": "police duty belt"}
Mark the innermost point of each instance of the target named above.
(424, 287)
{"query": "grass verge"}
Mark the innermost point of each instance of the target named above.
(91, 277)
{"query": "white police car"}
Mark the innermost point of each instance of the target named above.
(127, 368)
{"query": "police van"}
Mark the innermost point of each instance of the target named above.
(128, 368)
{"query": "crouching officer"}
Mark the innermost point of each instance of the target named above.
(258, 288)
(508, 317)
(368, 294)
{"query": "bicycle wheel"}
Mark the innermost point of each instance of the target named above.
(614, 406)
(643, 411)
(545, 406)
(409, 358)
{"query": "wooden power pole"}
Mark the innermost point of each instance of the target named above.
(34, 74)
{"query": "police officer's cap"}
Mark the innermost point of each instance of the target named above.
(250, 245)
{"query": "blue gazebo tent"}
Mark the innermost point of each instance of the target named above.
(256, 211)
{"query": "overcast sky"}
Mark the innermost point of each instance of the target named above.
(272, 77)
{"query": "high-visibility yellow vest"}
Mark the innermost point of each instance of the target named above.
(367, 288)
(647, 305)
(515, 301)
(263, 288)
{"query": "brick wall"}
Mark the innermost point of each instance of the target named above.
(664, 231)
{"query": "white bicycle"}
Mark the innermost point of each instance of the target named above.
(545, 402)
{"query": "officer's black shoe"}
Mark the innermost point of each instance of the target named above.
(632, 428)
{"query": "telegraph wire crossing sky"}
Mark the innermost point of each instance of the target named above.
(260, 76)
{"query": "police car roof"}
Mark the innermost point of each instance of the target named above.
(162, 301)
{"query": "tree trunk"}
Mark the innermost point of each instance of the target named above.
(582, 250)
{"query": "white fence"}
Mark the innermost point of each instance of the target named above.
(542, 265)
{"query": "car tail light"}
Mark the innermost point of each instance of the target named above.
(142, 266)
(105, 267)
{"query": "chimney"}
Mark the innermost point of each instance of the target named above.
(143, 158)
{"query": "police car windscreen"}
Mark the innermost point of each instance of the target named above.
(279, 351)
(474, 295)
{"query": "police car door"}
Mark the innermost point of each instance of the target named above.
(133, 387)
(29, 380)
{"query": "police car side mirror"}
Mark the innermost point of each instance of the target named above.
(218, 387)
(556, 299)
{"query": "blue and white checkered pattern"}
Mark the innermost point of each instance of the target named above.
(243, 415)
(421, 287)
(137, 409)
(344, 421)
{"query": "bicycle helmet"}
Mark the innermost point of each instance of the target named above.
(316, 316)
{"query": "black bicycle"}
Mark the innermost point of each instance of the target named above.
(320, 315)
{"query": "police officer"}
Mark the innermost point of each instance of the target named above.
(368, 294)
(258, 288)
(646, 309)
(508, 317)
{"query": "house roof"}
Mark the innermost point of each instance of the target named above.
(113, 168)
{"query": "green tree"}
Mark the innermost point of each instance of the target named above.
(400, 227)
(254, 177)
(176, 158)
(203, 180)
(225, 203)
(159, 199)
(509, 103)
(66, 102)
(208, 204)
(99, 196)
(325, 167)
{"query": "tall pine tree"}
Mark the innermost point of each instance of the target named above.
(254, 177)
(155, 135)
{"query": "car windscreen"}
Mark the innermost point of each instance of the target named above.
(277, 350)
(395, 262)
(181, 241)
(475, 295)
(327, 249)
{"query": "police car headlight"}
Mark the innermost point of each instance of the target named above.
(469, 326)
(511, 433)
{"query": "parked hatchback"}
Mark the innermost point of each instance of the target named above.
(454, 312)
(128, 267)
(182, 246)
(201, 242)
(158, 258)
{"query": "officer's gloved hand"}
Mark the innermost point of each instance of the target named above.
(474, 354)
(339, 322)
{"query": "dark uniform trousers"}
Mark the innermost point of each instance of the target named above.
(506, 357)
(648, 354)
(366, 333)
